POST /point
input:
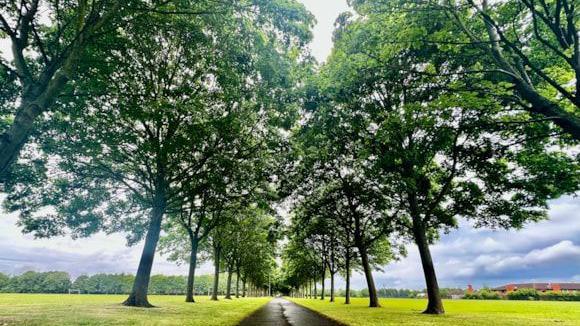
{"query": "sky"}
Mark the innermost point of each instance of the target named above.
(546, 251)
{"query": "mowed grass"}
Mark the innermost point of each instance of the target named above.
(46, 309)
(458, 312)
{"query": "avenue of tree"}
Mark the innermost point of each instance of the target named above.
(188, 125)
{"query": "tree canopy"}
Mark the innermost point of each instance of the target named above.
(207, 128)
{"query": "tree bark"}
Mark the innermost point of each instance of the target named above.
(238, 282)
(315, 290)
(35, 101)
(229, 284)
(138, 296)
(347, 268)
(216, 274)
(569, 122)
(435, 305)
(323, 276)
(373, 298)
(192, 266)
(332, 268)
(243, 288)
(332, 286)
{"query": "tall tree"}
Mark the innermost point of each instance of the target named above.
(437, 147)
(49, 41)
(172, 96)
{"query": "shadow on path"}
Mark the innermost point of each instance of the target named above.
(281, 312)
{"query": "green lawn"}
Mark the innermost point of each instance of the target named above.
(459, 312)
(46, 309)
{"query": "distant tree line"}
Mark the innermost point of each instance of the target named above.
(525, 295)
(391, 293)
(62, 282)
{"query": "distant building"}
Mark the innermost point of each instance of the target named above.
(540, 287)
(469, 289)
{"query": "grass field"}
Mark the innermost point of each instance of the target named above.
(458, 312)
(46, 309)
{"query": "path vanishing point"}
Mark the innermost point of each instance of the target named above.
(281, 312)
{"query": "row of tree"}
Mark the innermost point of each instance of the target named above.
(157, 119)
(61, 282)
(187, 120)
(446, 293)
(427, 112)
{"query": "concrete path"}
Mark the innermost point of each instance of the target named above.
(281, 312)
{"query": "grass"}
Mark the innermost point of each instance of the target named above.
(46, 309)
(458, 312)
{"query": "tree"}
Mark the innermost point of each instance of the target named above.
(249, 228)
(340, 213)
(4, 281)
(434, 146)
(49, 40)
(301, 264)
(532, 46)
(134, 154)
(334, 186)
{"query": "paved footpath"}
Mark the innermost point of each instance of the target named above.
(281, 312)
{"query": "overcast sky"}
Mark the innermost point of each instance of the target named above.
(547, 251)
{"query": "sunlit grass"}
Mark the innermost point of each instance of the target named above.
(458, 312)
(45, 309)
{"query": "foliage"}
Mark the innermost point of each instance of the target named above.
(483, 294)
(38, 282)
(524, 294)
(60, 282)
(403, 117)
(186, 102)
(559, 296)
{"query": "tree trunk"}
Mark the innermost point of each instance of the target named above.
(435, 305)
(229, 284)
(315, 290)
(332, 286)
(243, 288)
(12, 141)
(323, 276)
(192, 265)
(347, 268)
(216, 274)
(373, 298)
(238, 282)
(332, 269)
(138, 296)
(34, 102)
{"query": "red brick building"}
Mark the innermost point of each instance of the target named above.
(540, 287)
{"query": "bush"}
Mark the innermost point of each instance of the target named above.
(524, 294)
(559, 296)
(483, 294)
(489, 295)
